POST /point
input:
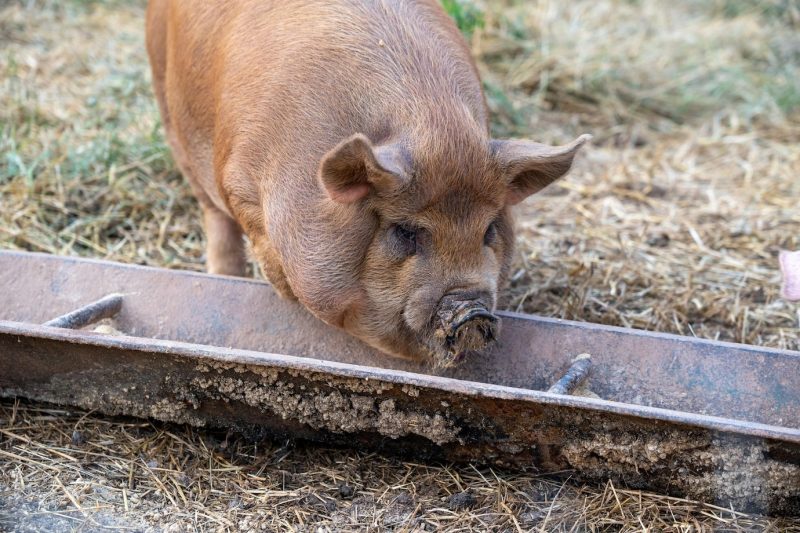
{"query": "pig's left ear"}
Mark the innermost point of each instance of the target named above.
(355, 168)
(530, 167)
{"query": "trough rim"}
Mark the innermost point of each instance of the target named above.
(204, 353)
(591, 326)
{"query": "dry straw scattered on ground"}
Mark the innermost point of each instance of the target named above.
(671, 221)
(74, 470)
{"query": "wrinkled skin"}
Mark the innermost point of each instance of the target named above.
(349, 141)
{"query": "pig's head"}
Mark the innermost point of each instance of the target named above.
(440, 235)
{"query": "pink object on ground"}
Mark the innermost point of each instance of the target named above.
(790, 266)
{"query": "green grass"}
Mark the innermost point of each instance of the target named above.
(467, 15)
(787, 11)
(659, 63)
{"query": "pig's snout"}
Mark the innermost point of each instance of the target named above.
(464, 324)
(474, 331)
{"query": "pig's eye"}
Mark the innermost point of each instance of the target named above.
(491, 234)
(406, 238)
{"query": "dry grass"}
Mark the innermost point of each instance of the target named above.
(84, 167)
(672, 221)
(73, 470)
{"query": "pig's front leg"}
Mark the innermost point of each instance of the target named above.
(790, 266)
(225, 245)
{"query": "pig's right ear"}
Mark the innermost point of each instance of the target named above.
(530, 166)
(355, 168)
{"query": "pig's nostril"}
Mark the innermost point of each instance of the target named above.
(478, 315)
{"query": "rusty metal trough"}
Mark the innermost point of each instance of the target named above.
(713, 421)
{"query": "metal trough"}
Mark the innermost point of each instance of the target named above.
(712, 421)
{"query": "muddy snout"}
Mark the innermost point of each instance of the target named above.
(464, 325)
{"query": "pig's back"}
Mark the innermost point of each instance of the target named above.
(259, 90)
(300, 76)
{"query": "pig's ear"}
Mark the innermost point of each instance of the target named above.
(530, 167)
(355, 168)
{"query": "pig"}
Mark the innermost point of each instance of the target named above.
(790, 268)
(348, 140)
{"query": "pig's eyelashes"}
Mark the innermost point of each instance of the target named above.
(406, 238)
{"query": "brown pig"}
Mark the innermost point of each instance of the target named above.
(349, 140)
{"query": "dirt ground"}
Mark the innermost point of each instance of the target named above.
(671, 221)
